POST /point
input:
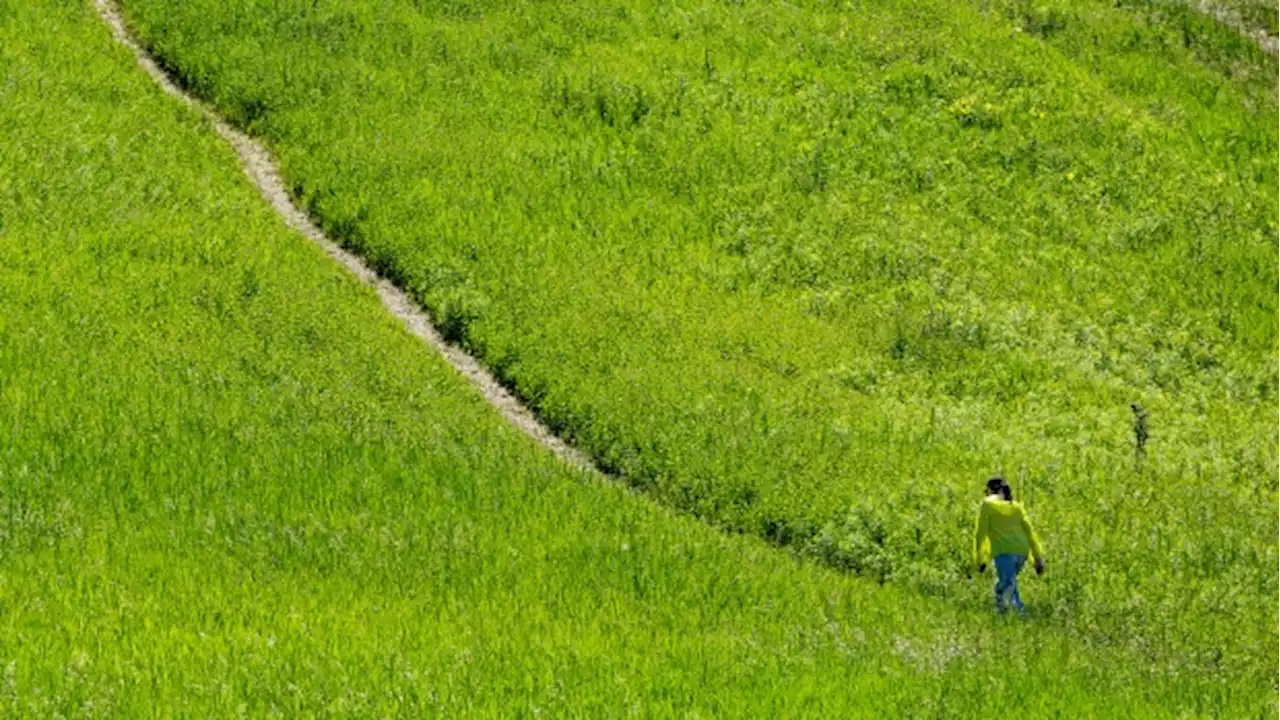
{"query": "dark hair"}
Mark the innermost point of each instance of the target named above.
(997, 484)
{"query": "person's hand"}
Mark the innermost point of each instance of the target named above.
(982, 568)
(1039, 566)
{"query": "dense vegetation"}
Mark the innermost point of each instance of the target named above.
(812, 271)
(231, 485)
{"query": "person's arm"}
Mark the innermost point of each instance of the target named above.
(980, 538)
(1037, 551)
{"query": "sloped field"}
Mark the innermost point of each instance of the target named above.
(813, 271)
(230, 484)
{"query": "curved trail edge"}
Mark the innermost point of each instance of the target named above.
(261, 169)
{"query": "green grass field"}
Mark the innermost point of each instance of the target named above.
(811, 272)
(770, 296)
(233, 485)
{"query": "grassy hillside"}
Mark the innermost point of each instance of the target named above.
(813, 271)
(230, 484)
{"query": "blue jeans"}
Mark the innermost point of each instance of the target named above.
(1007, 569)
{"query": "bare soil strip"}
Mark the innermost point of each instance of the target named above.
(260, 168)
(1231, 18)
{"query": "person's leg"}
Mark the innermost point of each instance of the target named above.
(1019, 561)
(1005, 571)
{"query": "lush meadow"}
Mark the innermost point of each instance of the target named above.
(231, 485)
(812, 271)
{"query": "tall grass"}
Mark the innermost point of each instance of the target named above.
(231, 485)
(813, 271)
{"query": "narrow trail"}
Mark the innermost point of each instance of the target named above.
(1232, 19)
(261, 169)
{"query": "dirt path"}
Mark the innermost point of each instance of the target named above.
(1231, 18)
(260, 168)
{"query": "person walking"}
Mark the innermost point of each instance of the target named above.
(1005, 534)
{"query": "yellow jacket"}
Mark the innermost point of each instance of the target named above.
(1003, 529)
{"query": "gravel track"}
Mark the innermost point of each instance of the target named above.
(261, 169)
